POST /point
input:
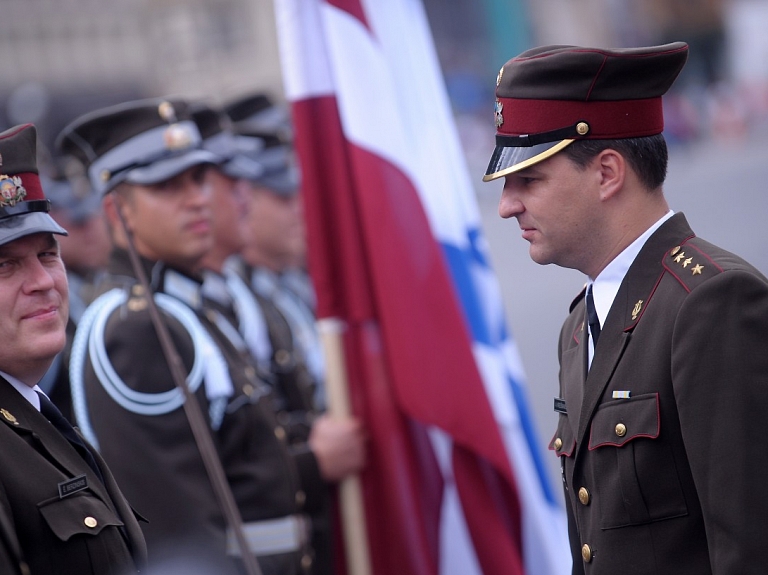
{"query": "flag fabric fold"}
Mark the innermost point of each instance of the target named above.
(455, 483)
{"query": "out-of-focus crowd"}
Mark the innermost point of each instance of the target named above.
(185, 258)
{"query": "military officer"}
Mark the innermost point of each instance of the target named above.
(60, 507)
(663, 370)
(145, 156)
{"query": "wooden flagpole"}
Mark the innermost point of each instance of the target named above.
(350, 489)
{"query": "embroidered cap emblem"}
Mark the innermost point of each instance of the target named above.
(497, 108)
(636, 309)
(11, 190)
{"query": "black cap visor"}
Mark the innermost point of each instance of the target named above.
(509, 159)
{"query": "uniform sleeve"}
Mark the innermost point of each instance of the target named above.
(154, 458)
(720, 379)
(10, 549)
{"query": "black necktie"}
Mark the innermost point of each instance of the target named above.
(594, 321)
(52, 414)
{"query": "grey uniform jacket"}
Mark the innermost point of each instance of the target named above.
(73, 535)
(669, 479)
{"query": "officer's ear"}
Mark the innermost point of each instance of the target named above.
(118, 199)
(612, 172)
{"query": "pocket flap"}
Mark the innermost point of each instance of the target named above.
(563, 442)
(618, 422)
(78, 514)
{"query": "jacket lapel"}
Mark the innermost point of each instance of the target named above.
(24, 419)
(631, 300)
(574, 371)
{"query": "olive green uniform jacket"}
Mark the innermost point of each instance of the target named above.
(90, 531)
(660, 445)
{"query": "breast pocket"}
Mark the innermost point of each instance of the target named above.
(81, 514)
(635, 469)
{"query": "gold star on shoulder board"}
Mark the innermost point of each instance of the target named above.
(696, 270)
(687, 262)
(679, 257)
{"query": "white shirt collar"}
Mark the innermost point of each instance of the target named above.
(606, 284)
(29, 393)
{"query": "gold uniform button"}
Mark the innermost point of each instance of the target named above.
(301, 497)
(282, 357)
(621, 429)
(586, 553)
(90, 522)
(584, 496)
(280, 433)
(248, 389)
(306, 562)
(558, 443)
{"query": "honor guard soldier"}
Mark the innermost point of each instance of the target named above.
(60, 507)
(275, 252)
(325, 449)
(145, 157)
(663, 369)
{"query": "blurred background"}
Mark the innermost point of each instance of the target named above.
(63, 58)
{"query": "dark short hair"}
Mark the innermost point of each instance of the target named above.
(648, 156)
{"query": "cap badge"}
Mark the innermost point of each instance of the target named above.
(11, 190)
(498, 78)
(497, 108)
(8, 416)
(177, 137)
(166, 111)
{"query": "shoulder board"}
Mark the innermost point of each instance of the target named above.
(578, 298)
(690, 264)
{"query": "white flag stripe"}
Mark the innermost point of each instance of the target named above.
(392, 102)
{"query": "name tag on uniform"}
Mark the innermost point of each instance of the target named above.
(560, 405)
(73, 485)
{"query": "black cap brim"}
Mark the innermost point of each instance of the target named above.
(27, 224)
(508, 159)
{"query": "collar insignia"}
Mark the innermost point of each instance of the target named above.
(9, 416)
(636, 309)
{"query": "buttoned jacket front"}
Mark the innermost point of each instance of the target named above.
(92, 530)
(660, 467)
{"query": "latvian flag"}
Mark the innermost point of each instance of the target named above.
(455, 482)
